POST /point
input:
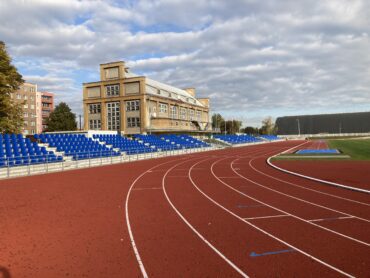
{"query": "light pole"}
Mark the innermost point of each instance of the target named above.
(299, 128)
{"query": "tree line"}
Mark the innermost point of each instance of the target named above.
(221, 125)
(11, 112)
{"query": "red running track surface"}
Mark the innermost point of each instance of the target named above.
(222, 213)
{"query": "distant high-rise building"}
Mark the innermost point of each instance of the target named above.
(36, 107)
(26, 95)
(47, 106)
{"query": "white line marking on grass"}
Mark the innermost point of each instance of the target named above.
(195, 231)
(264, 232)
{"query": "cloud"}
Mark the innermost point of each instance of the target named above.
(253, 58)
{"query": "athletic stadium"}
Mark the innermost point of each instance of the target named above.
(147, 189)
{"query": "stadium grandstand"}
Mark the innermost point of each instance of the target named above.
(344, 123)
(131, 104)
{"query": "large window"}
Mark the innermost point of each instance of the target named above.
(173, 112)
(133, 105)
(191, 114)
(199, 115)
(95, 124)
(183, 113)
(133, 122)
(113, 116)
(112, 90)
(95, 108)
(163, 108)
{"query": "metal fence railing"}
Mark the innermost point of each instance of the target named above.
(38, 164)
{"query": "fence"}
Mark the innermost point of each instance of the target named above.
(39, 164)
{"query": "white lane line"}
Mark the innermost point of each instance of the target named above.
(285, 212)
(316, 179)
(147, 188)
(332, 218)
(265, 232)
(309, 189)
(195, 231)
(263, 217)
(234, 177)
(134, 247)
(299, 199)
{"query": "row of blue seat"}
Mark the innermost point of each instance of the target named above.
(17, 151)
(237, 139)
(78, 146)
(126, 145)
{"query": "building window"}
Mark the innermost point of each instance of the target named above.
(112, 90)
(173, 112)
(25, 106)
(31, 97)
(95, 124)
(32, 106)
(113, 116)
(133, 105)
(95, 108)
(133, 122)
(19, 96)
(33, 123)
(191, 114)
(32, 131)
(25, 97)
(163, 108)
(25, 115)
(199, 114)
(183, 113)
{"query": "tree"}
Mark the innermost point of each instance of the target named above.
(268, 126)
(61, 119)
(217, 121)
(11, 116)
(233, 126)
(251, 130)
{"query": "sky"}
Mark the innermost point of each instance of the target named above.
(252, 58)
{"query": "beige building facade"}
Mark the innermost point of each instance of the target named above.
(124, 102)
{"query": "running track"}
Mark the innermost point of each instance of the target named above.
(215, 214)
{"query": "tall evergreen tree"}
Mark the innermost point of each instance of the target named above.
(61, 119)
(11, 118)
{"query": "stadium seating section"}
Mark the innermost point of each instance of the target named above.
(77, 146)
(237, 139)
(17, 151)
(124, 144)
(185, 141)
(171, 142)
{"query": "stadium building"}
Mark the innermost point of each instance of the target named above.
(326, 123)
(131, 104)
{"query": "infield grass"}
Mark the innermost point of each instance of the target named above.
(358, 149)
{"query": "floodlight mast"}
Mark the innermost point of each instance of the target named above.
(299, 128)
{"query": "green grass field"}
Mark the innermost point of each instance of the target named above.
(358, 149)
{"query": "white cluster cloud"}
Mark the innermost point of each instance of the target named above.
(252, 58)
